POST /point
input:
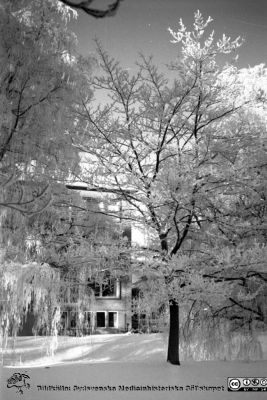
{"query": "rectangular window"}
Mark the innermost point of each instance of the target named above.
(112, 319)
(63, 321)
(100, 320)
(95, 287)
(109, 288)
(73, 319)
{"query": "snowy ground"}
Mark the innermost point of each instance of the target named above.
(117, 367)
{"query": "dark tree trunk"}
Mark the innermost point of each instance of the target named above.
(173, 345)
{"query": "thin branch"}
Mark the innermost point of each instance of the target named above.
(246, 308)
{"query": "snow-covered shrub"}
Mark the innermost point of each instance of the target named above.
(204, 337)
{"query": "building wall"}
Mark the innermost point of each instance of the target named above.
(96, 317)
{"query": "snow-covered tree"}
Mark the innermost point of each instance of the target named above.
(67, 248)
(27, 287)
(40, 79)
(176, 153)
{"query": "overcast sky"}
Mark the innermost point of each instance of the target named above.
(141, 26)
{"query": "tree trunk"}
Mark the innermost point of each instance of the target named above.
(173, 345)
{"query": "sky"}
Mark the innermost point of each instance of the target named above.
(141, 26)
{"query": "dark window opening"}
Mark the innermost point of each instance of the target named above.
(135, 293)
(100, 320)
(109, 288)
(63, 320)
(73, 319)
(95, 287)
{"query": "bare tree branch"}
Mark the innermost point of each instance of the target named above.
(84, 5)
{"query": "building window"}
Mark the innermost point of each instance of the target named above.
(107, 319)
(112, 319)
(95, 287)
(63, 322)
(100, 320)
(73, 319)
(110, 287)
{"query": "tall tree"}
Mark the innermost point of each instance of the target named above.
(170, 150)
(40, 78)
